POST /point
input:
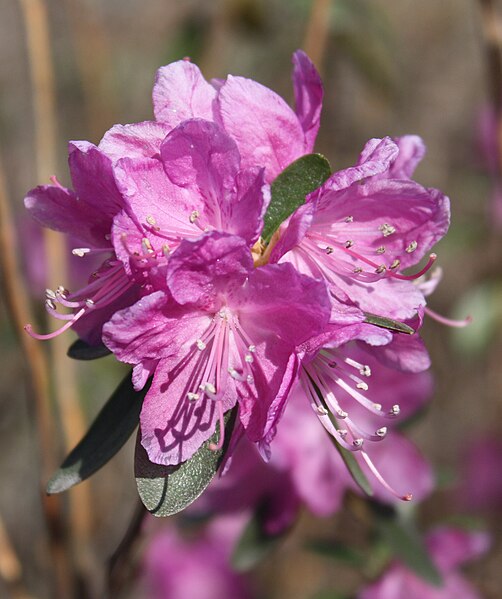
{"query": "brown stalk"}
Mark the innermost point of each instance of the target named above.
(63, 370)
(317, 31)
(10, 567)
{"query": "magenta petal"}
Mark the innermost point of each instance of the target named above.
(198, 271)
(308, 96)
(198, 155)
(139, 140)
(93, 179)
(265, 128)
(181, 92)
(59, 209)
(406, 353)
(411, 152)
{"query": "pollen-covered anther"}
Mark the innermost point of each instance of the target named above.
(358, 443)
(412, 247)
(387, 229)
(200, 344)
(152, 222)
(349, 219)
(194, 216)
(207, 388)
(349, 243)
(90, 303)
(357, 270)
(363, 386)
(341, 414)
(395, 410)
(380, 250)
(343, 433)
(382, 268)
(50, 304)
(252, 348)
(248, 358)
(365, 370)
(166, 250)
(249, 379)
(377, 406)
(80, 252)
(329, 250)
(62, 292)
(146, 246)
(49, 294)
(321, 410)
(381, 432)
(395, 264)
(193, 396)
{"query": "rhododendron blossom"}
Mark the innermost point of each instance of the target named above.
(210, 315)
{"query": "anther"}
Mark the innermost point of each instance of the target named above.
(349, 219)
(80, 252)
(349, 243)
(377, 406)
(382, 268)
(50, 304)
(252, 348)
(49, 294)
(381, 432)
(249, 380)
(386, 229)
(380, 250)
(200, 344)
(207, 388)
(194, 216)
(412, 247)
(146, 246)
(395, 264)
(357, 270)
(365, 370)
(321, 410)
(89, 303)
(332, 364)
(341, 414)
(394, 411)
(166, 250)
(329, 250)
(193, 396)
(343, 433)
(358, 443)
(362, 386)
(248, 358)
(151, 220)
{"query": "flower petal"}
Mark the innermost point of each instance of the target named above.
(308, 96)
(138, 140)
(180, 92)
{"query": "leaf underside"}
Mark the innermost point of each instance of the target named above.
(388, 323)
(80, 350)
(167, 490)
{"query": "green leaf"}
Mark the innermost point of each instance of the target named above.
(354, 469)
(166, 490)
(255, 543)
(290, 188)
(107, 434)
(388, 323)
(338, 551)
(405, 543)
(80, 350)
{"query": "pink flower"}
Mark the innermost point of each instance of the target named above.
(193, 568)
(363, 226)
(449, 548)
(481, 487)
(221, 332)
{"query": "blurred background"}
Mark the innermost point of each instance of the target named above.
(389, 68)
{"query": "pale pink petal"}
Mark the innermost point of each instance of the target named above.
(138, 140)
(308, 96)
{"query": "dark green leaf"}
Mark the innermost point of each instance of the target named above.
(106, 435)
(166, 490)
(406, 544)
(255, 543)
(80, 350)
(290, 188)
(354, 469)
(388, 323)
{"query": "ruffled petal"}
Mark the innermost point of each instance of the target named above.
(308, 90)
(138, 140)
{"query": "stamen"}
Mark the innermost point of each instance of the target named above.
(349, 219)
(381, 480)
(200, 344)
(329, 250)
(412, 247)
(387, 229)
(50, 294)
(252, 348)
(395, 410)
(432, 259)
(395, 264)
(80, 252)
(381, 250)
(382, 268)
(320, 410)
(248, 358)
(193, 396)
(365, 370)
(381, 432)
(459, 324)
(194, 216)
(219, 445)
(349, 243)
(29, 329)
(151, 220)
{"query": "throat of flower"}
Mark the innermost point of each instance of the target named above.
(330, 374)
(222, 353)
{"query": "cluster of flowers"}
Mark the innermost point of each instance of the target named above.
(192, 297)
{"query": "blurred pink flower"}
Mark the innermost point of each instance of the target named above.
(449, 548)
(194, 568)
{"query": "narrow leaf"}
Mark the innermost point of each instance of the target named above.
(406, 544)
(80, 350)
(354, 469)
(107, 434)
(290, 188)
(166, 490)
(388, 323)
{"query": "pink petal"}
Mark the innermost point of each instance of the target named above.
(180, 92)
(308, 96)
(139, 140)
